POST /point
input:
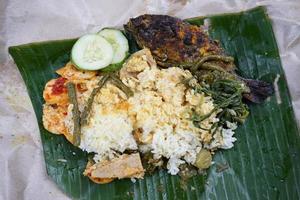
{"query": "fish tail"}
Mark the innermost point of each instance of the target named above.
(259, 90)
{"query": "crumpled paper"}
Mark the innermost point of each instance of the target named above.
(22, 169)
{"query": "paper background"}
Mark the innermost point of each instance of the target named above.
(22, 170)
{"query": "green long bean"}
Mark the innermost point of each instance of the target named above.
(76, 114)
(121, 85)
(204, 59)
(88, 107)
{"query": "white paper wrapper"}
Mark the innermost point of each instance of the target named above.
(22, 169)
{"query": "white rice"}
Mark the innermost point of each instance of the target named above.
(178, 146)
(107, 134)
(228, 139)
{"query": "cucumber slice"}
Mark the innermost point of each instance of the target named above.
(119, 43)
(92, 52)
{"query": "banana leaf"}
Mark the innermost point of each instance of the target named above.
(265, 161)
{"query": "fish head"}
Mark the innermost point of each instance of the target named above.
(150, 22)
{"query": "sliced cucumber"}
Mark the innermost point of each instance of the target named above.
(119, 43)
(92, 52)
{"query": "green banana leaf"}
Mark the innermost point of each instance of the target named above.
(264, 163)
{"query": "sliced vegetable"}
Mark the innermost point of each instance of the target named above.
(119, 43)
(92, 52)
(76, 113)
(87, 108)
(203, 159)
(121, 85)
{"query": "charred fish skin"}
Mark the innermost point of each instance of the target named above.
(170, 39)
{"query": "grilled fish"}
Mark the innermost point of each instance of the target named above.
(174, 42)
(170, 39)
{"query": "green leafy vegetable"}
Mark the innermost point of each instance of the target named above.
(226, 92)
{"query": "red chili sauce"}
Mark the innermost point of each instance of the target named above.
(59, 86)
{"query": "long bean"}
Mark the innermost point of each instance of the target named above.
(121, 85)
(212, 66)
(88, 107)
(211, 57)
(76, 113)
